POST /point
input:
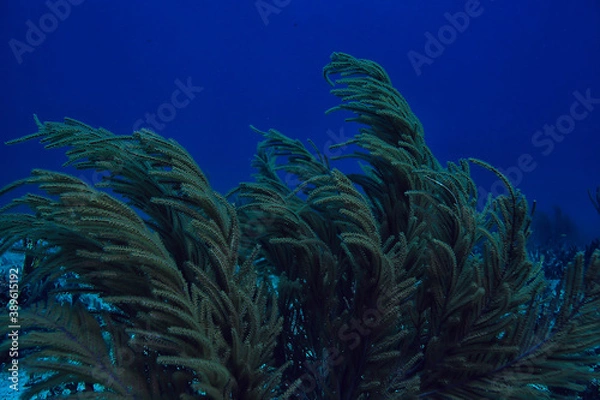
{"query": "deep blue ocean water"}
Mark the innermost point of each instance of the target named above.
(515, 83)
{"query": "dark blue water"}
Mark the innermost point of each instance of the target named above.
(513, 83)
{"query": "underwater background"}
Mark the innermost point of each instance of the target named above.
(515, 84)
(491, 85)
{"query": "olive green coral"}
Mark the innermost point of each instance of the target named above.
(388, 283)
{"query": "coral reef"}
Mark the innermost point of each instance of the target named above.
(384, 284)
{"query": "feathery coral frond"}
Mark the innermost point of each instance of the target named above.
(312, 284)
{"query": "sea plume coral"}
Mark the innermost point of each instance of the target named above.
(384, 284)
